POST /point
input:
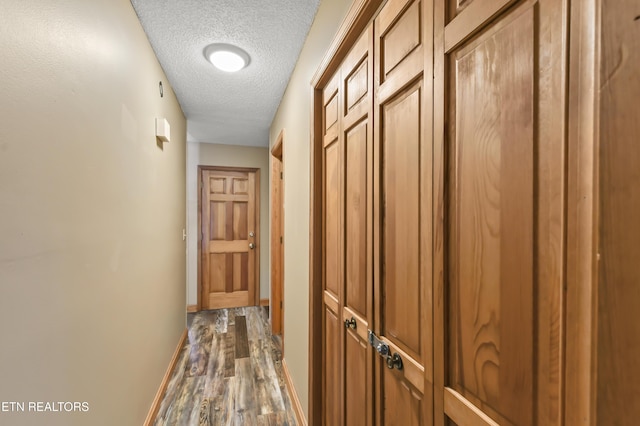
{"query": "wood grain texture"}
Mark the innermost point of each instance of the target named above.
(472, 19)
(491, 300)
(356, 284)
(464, 413)
(230, 206)
(358, 17)
(242, 342)
(357, 296)
(332, 406)
(332, 219)
(582, 225)
(618, 357)
(252, 394)
(358, 404)
(504, 70)
(401, 213)
(277, 236)
(401, 237)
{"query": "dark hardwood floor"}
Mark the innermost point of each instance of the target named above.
(229, 373)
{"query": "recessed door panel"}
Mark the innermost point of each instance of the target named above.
(401, 404)
(357, 377)
(356, 284)
(332, 233)
(503, 151)
(401, 304)
(491, 276)
(332, 361)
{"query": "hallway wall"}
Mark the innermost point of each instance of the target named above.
(92, 262)
(209, 154)
(293, 115)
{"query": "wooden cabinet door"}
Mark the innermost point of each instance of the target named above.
(402, 231)
(500, 150)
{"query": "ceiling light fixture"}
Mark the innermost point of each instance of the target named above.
(226, 57)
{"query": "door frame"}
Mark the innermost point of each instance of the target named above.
(277, 247)
(358, 17)
(201, 170)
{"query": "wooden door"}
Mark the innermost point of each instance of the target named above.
(277, 238)
(332, 264)
(347, 210)
(500, 151)
(229, 238)
(402, 203)
(356, 85)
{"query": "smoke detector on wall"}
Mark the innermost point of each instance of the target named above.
(226, 57)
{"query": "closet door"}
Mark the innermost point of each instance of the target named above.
(402, 225)
(500, 181)
(332, 264)
(347, 254)
(357, 314)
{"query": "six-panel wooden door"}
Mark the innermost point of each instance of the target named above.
(229, 238)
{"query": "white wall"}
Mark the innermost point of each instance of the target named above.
(294, 116)
(92, 260)
(208, 154)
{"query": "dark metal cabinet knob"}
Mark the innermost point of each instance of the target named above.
(350, 323)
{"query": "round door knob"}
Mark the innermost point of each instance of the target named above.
(252, 246)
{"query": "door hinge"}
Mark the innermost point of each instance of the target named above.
(280, 175)
(281, 304)
(280, 240)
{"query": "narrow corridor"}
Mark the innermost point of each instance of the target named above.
(229, 373)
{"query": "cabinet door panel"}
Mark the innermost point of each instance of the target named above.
(502, 184)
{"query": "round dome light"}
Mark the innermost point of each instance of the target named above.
(226, 57)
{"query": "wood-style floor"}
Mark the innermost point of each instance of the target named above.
(229, 373)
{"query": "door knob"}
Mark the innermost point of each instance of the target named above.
(350, 323)
(251, 234)
(394, 362)
(252, 246)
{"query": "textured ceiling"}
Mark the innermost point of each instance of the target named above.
(238, 108)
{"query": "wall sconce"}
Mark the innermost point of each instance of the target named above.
(163, 130)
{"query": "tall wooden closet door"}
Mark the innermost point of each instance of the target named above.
(500, 92)
(332, 264)
(402, 226)
(348, 289)
(357, 87)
